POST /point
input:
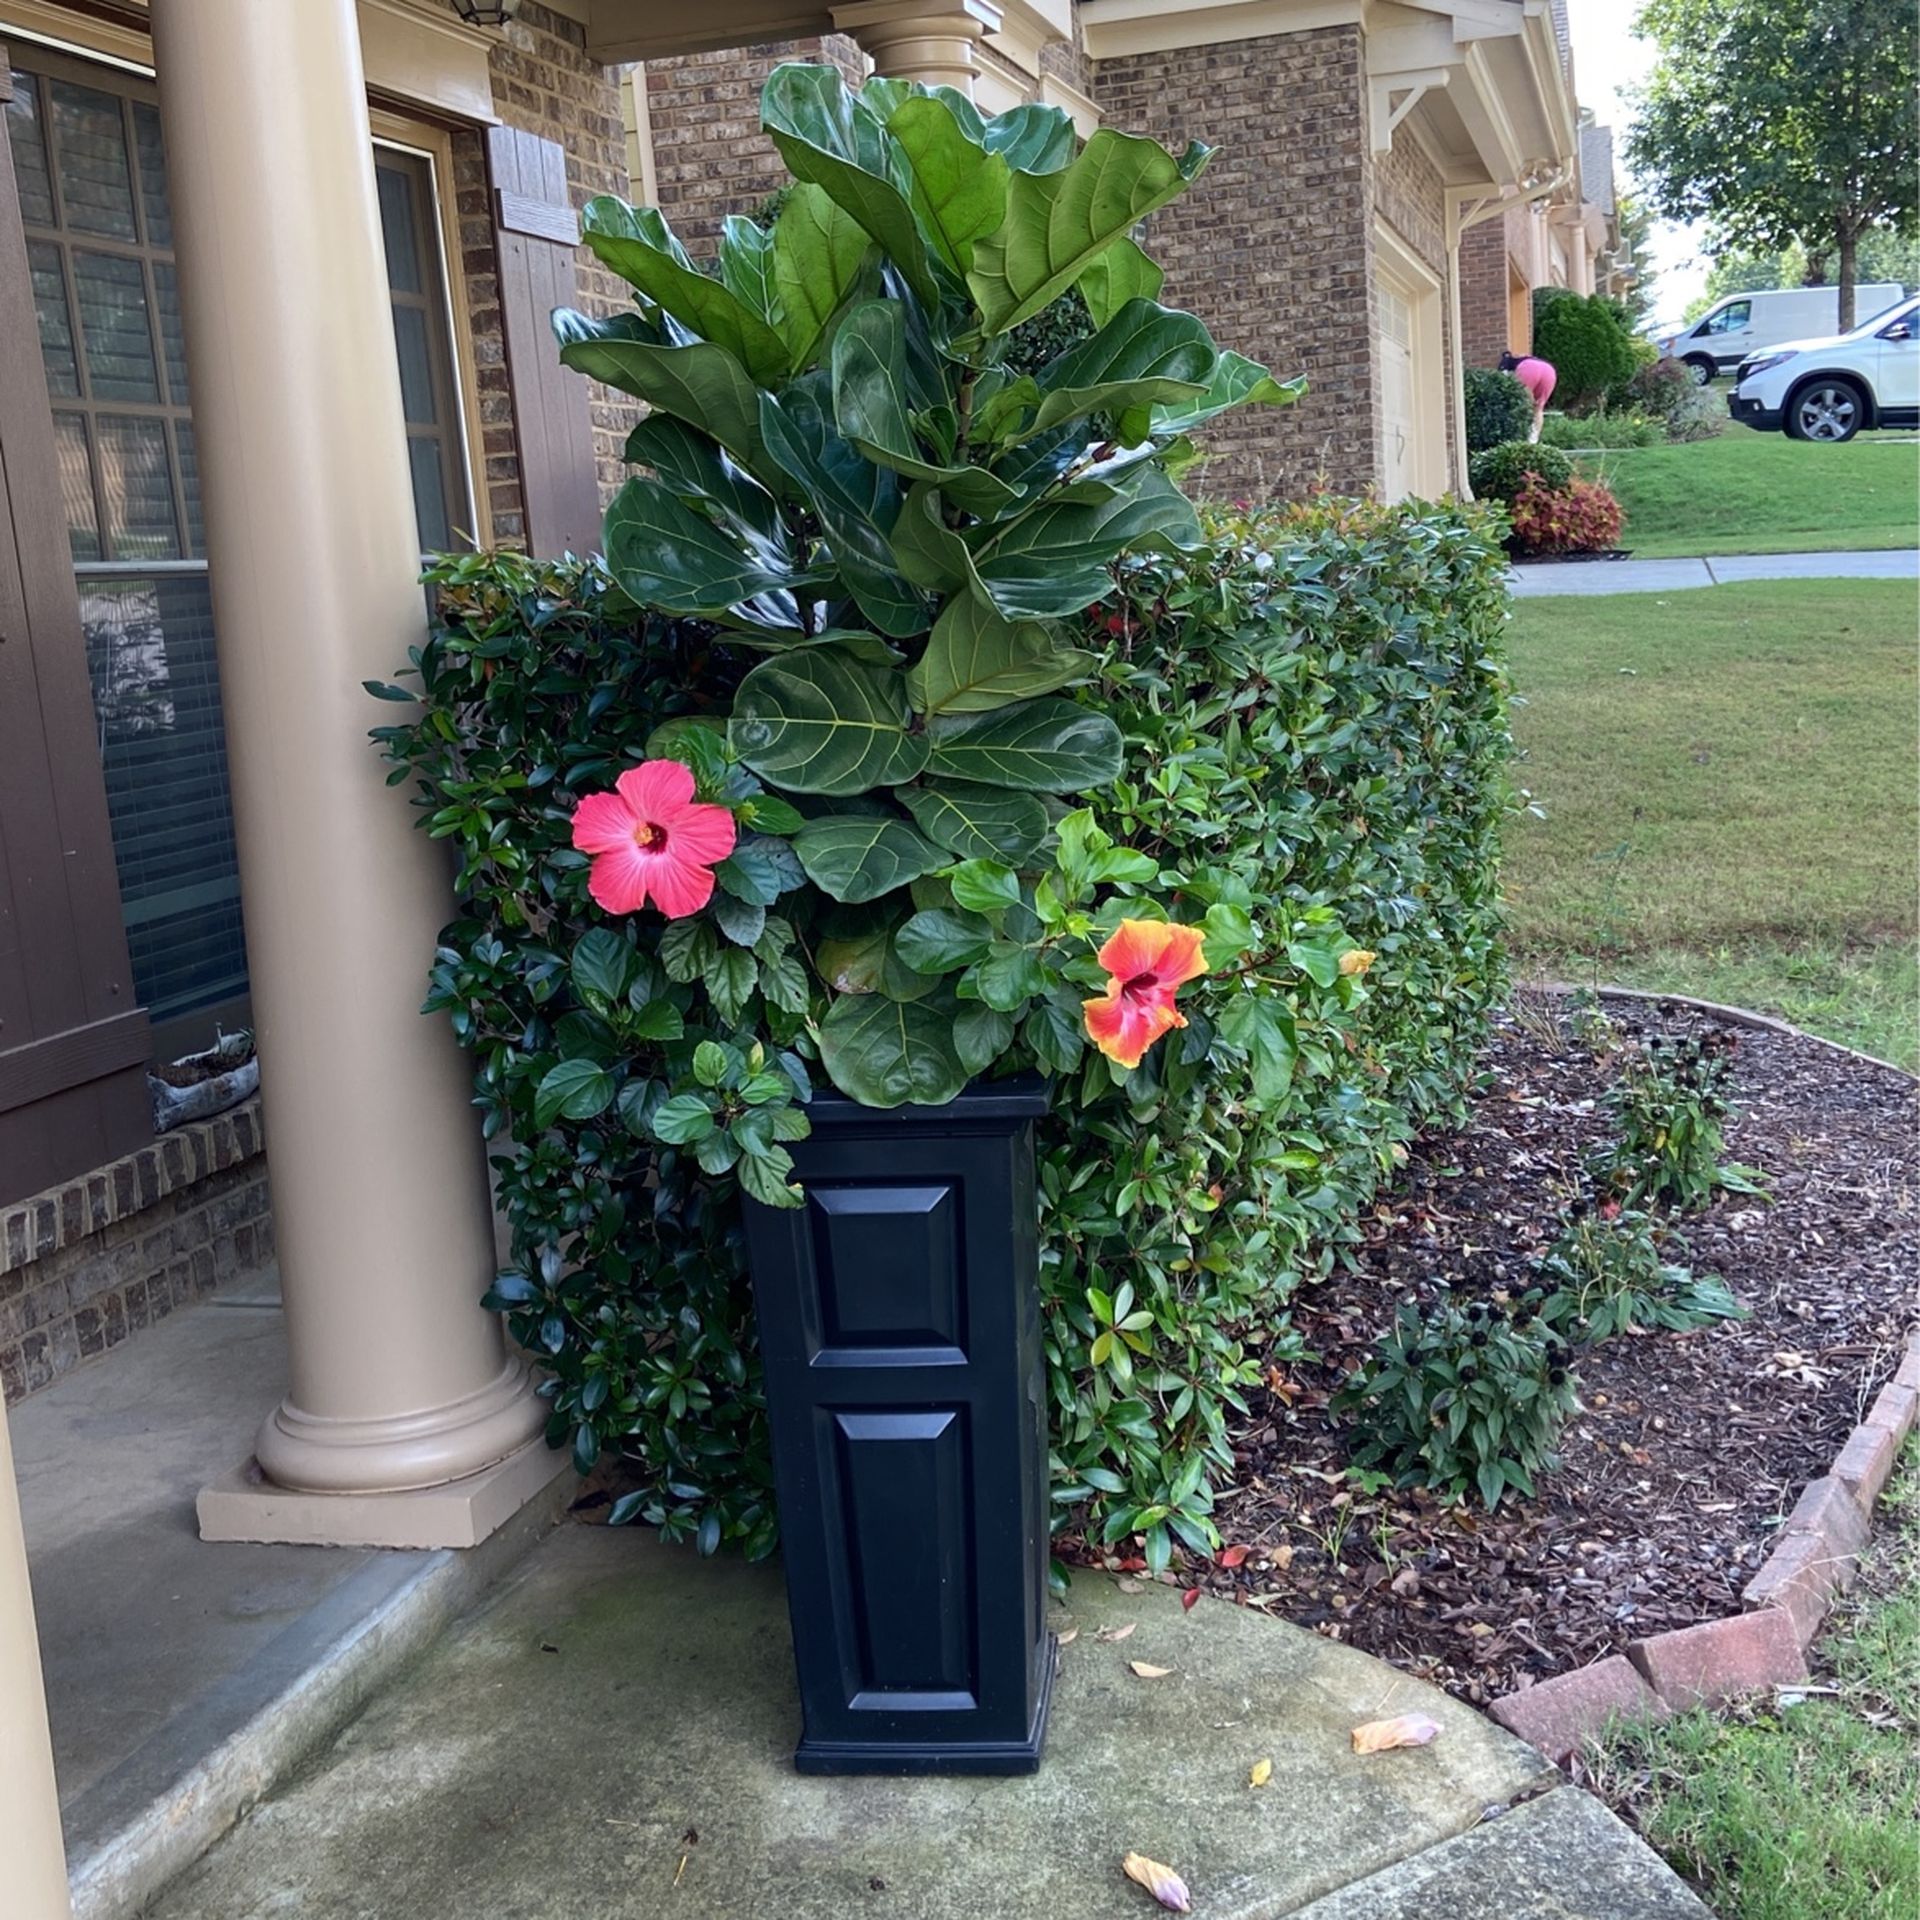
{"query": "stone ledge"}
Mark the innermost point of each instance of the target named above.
(76, 1209)
(1719, 1660)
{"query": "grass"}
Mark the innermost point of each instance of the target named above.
(1747, 492)
(1727, 784)
(1802, 1812)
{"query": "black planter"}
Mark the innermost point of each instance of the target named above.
(899, 1321)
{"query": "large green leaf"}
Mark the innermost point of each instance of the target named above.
(1113, 278)
(959, 194)
(830, 136)
(1055, 560)
(667, 556)
(1235, 381)
(1042, 746)
(943, 940)
(746, 264)
(925, 549)
(888, 1053)
(976, 661)
(1031, 138)
(698, 382)
(819, 721)
(1057, 224)
(818, 252)
(859, 857)
(697, 469)
(855, 501)
(871, 407)
(638, 245)
(977, 823)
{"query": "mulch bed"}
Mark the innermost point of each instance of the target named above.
(1688, 1448)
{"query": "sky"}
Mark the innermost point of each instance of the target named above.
(1607, 60)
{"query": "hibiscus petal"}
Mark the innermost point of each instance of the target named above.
(602, 823)
(680, 886)
(1124, 1026)
(700, 832)
(619, 877)
(1183, 955)
(655, 788)
(1133, 949)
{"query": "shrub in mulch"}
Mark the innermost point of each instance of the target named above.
(1686, 1448)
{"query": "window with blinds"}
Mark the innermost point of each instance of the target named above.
(93, 196)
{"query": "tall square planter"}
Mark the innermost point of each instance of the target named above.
(899, 1317)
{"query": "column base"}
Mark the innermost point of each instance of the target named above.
(246, 1505)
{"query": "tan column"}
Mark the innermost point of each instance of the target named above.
(931, 41)
(399, 1379)
(33, 1862)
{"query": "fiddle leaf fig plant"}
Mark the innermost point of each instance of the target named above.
(873, 857)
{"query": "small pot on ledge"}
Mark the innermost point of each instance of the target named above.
(899, 1316)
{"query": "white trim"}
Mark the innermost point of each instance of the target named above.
(1083, 109)
(1114, 29)
(1399, 269)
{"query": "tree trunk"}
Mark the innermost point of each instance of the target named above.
(1849, 245)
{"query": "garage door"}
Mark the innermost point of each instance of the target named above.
(1396, 394)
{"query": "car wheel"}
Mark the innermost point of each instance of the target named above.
(1703, 368)
(1829, 409)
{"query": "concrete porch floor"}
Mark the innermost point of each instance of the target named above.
(184, 1678)
(609, 1736)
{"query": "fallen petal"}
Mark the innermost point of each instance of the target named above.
(1111, 1634)
(1163, 1883)
(1260, 1773)
(1068, 1638)
(1403, 1730)
(1232, 1557)
(1146, 1670)
(1190, 1599)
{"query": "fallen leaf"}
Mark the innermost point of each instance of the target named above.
(1111, 1634)
(1131, 1586)
(1403, 1730)
(1146, 1670)
(1163, 1883)
(1260, 1774)
(1068, 1638)
(1189, 1600)
(1232, 1557)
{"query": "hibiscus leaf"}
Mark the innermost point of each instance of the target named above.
(573, 1090)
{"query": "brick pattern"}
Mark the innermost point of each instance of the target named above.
(1273, 248)
(544, 83)
(1483, 292)
(710, 157)
(1067, 60)
(85, 1265)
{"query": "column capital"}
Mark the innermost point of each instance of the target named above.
(931, 41)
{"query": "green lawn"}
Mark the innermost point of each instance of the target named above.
(1747, 492)
(1802, 1812)
(1728, 783)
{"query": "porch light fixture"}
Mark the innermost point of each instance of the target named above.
(486, 13)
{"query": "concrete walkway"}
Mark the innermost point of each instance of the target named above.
(609, 1738)
(1664, 576)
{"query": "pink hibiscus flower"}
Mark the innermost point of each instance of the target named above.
(651, 840)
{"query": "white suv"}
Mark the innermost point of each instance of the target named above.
(1829, 389)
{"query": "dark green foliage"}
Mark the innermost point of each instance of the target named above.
(1585, 338)
(1463, 1398)
(1608, 1273)
(1669, 1104)
(1498, 408)
(1314, 711)
(1063, 326)
(1503, 471)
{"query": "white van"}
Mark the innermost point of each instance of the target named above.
(1744, 324)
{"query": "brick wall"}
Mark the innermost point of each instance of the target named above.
(709, 155)
(86, 1265)
(1273, 248)
(1483, 292)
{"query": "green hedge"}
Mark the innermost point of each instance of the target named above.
(1315, 721)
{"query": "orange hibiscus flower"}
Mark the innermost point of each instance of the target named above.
(1147, 961)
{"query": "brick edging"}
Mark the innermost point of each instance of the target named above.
(1782, 1607)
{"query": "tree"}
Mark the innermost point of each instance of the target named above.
(1783, 121)
(1586, 339)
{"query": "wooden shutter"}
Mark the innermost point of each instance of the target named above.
(73, 1044)
(535, 233)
